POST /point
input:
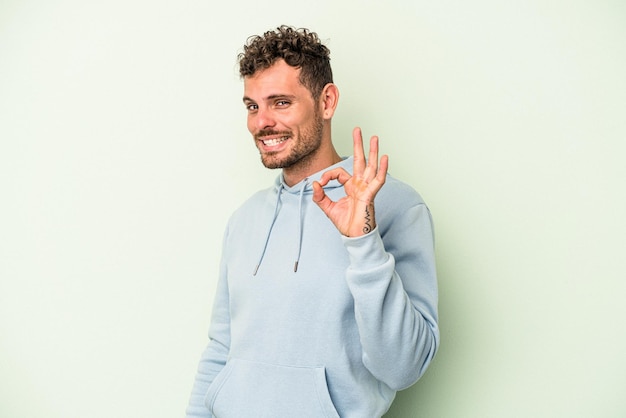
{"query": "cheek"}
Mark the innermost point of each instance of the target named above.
(250, 124)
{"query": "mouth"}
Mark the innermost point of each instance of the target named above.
(272, 142)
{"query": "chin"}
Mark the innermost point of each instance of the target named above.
(271, 162)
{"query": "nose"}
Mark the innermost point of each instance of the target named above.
(263, 119)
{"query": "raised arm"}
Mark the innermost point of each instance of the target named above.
(392, 274)
(354, 214)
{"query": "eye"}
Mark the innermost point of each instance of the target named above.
(251, 107)
(282, 103)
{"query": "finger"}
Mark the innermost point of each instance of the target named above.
(359, 154)
(378, 181)
(372, 162)
(381, 175)
(321, 199)
(318, 192)
(339, 174)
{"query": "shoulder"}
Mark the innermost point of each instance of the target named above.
(396, 195)
(258, 200)
(400, 212)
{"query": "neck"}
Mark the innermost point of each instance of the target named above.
(311, 165)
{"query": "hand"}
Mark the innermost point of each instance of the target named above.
(353, 215)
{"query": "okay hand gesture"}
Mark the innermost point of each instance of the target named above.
(353, 215)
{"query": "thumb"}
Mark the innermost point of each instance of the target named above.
(318, 192)
(320, 197)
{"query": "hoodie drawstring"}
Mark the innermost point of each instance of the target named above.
(305, 187)
(301, 224)
(269, 231)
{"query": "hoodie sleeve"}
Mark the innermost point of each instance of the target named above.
(215, 354)
(393, 281)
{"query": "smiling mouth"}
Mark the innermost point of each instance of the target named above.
(274, 141)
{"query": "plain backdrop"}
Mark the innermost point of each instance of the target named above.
(123, 150)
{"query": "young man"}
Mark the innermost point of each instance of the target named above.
(327, 297)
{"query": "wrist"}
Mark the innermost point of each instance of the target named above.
(364, 222)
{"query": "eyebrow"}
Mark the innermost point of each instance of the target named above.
(271, 97)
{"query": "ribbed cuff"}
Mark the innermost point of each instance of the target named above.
(367, 251)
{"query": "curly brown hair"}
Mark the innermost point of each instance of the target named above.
(300, 48)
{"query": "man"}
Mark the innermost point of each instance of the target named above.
(326, 303)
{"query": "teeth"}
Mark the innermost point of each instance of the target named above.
(275, 141)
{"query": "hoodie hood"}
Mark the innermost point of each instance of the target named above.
(301, 189)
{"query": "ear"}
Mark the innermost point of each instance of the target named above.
(328, 100)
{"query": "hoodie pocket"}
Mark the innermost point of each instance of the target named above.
(252, 389)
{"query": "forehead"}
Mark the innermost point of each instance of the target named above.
(279, 79)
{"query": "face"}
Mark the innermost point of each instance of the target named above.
(283, 118)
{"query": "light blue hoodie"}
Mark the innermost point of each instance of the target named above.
(338, 337)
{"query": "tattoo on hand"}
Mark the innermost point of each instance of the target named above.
(368, 221)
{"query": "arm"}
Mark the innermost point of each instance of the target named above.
(215, 354)
(393, 282)
(392, 271)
